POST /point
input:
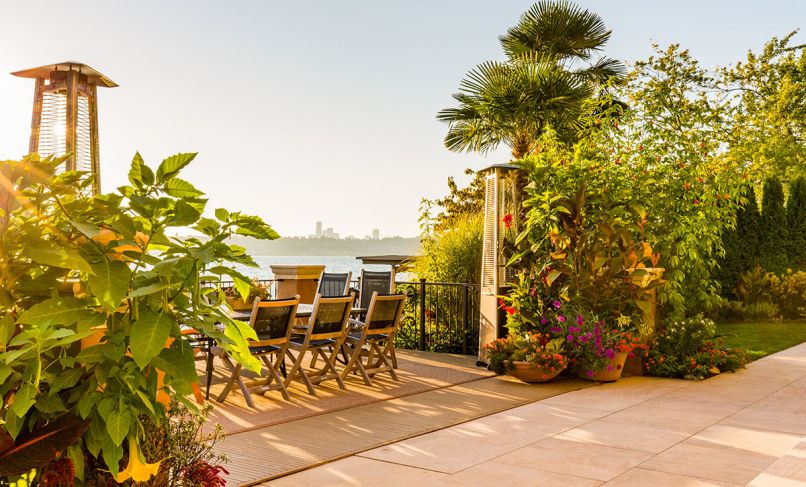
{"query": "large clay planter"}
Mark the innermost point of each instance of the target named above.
(238, 304)
(528, 372)
(603, 375)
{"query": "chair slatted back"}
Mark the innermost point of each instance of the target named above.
(273, 320)
(384, 313)
(371, 282)
(329, 317)
(334, 284)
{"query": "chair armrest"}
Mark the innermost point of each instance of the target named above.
(358, 323)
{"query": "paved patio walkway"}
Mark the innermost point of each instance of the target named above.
(745, 428)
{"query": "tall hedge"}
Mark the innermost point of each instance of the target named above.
(773, 231)
(741, 245)
(796, 220)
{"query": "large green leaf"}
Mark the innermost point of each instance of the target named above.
(179, 188)
(171, 166)
(178, 361)
(49, 253)
(149, 335)
(140, 175)
(118, 422)
(24, 399)
(57, 311)
(110, 283)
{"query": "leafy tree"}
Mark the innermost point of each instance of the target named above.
(456, 206)
(540, 85)
(453, 254)
(131, 285)
(741, 244)
(767, 92)
(773, 232)
(796, 219)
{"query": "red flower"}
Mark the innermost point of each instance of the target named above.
(507, 220)
(510, 311)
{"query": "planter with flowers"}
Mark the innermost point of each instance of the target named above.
(597, 349)
(256, 290)
(531, 358)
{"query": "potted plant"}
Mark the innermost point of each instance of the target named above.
(598, 350)
(256, 290)
(531, 358)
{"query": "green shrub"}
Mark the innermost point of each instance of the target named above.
(789, 293)
(453, 254)
(796, 218)
(687, 349)
(773, 232)
(740, 244)
(729, 310)
(761, 311)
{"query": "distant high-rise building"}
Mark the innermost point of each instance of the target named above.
(376, 234)
(318, 229)
(329, 232)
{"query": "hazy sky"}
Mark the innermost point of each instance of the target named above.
(314, 110)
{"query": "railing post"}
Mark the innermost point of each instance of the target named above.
(422, 314)
(465, 313)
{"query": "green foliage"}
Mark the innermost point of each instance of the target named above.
(456, 206)
(133, 285)
(545, 82)
(796, 222)
(687, 349)
(741, 244)
(540, 350)
(587, 245)
(766, 95)
(773, 231)
(452, 254)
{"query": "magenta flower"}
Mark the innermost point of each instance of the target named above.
(570, 338)
(583, 338)
(557, 304)
(561, 318)
(543, 320)
(573, 329)
(580, 320)
(590, 374)
(609, 368)
(556, 329)
(610, 353)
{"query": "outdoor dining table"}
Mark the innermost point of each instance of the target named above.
(303, 311)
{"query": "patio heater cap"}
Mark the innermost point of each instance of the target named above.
(65, 114)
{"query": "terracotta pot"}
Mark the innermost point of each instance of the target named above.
(238, 304)
(528, 372)
(603, 375)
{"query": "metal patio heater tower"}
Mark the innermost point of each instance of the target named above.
(65, 114)
(501, 198)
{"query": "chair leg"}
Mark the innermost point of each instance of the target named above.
(236, 377)
(330, 363)
(392, 352)
(275, 376)
(383, 360)
(209, 371)
(354, 363)
(296, 369)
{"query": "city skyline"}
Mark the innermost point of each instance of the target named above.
(328, 232)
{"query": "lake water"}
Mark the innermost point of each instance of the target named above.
(331, 263)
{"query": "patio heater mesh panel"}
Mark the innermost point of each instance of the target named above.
(65, 115)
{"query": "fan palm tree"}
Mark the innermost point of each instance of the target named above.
(547, 78)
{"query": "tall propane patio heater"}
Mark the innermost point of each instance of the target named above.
(501, 198)
(65, 115)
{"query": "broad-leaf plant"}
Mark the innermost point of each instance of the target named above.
(75, 267)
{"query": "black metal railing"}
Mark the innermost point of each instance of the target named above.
(438, 317)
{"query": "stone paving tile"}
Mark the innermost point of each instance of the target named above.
(724, 453)
(507, 475)
(361, 471)
(639, 477)
(787, 471)
(576, 458)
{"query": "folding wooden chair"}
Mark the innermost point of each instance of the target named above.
(377, 333)
(272, 322)
(327, 327)
(333, 285)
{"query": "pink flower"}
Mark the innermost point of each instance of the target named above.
(561, 318)
(609, 353)
(557, 304)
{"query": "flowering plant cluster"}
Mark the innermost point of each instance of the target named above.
(687, 349)
(540, 350)
(591, 343)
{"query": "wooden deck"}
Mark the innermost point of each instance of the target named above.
(260, 454)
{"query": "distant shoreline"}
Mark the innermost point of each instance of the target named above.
(324, 247)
